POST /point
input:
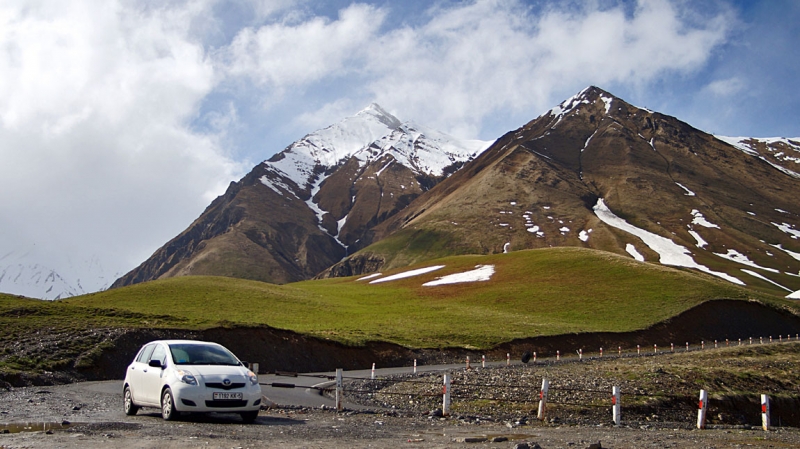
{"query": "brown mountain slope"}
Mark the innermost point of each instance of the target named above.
(538, 187)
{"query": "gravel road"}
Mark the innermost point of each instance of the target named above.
(92, 417)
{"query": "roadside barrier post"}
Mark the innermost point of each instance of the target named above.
(701, 411)
(761, 340)
(508, 359)
(770, 338)
(740, 342)
(655, 349)
(483, 361)
(580, 354)
(415, 366)
(558, 355)
(715, 344)
(619, 350)
(751, 340)
(702, 344)
(765, 412)
(727, 342)
(534, 356)
(601, 352)
(687, 345)
(543, 399)
(372, 376)
(339, 389)
(446, 396)
(780, 338)
(638, 350)
(468, 367)
(672, 347)
(616, 406)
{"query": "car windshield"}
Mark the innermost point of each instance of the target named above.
(200, 354)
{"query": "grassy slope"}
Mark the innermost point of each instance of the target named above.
(537, 292)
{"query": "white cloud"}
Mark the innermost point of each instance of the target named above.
(726, 87)
(470, 61)
(97, 159)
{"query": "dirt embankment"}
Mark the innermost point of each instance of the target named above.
(281, 350)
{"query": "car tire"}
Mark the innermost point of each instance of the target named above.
(127, 403)
(249, 417)
(168, 411)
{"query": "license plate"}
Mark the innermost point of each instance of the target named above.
(227, 396)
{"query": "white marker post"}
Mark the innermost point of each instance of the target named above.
(765, 424)
(672, 347)
(655, 349)
(446, 396)
(701, 409)
(638, 350)
(415, 366)
(616, 406)
(468, 367)
(372, 376)
(601, 352)
(580, 354)
(508, 359)
(558, 355)
(483, 361)
(543, 399)
(339, 390)
(534, 356)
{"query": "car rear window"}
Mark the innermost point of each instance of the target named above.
(199, 354)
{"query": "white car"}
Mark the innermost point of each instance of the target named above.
(190, 376)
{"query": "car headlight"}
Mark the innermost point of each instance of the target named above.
(253, 378)
(186, 377)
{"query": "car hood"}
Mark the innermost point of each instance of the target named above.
(215, 371)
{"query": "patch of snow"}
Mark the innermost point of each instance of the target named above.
(795, 295)
(564, 230)
(513, 203)
(407, 274)
(788, 229)
(635, 254)
(738, 257)
(584, 235)
(763, 278)
(504, 224)
(699, 219)
(688, 192)
(371, 276)
(700, 242)
(607, 101)
(751, 213)
(533, 229)
(506, 247)
(481, 273)
(741, 144)
(781, 211)
(384, 168)
(791, 253)
(670, 253)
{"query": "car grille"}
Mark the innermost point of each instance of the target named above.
(224, 387)
(226, 404)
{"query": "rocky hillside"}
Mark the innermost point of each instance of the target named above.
(598, 172)
(312, 204)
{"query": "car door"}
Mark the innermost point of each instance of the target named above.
(137, 372)
(151, 379)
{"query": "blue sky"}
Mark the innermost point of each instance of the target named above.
(121, 120)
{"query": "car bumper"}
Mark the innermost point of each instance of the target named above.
(194, 398)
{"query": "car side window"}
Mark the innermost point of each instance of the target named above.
(144, 356)
(159, 354)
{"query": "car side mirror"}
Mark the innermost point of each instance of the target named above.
(156, 364)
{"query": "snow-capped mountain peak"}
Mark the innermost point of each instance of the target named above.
(368, 136)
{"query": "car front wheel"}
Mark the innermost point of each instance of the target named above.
(168, 411)
(127, 402)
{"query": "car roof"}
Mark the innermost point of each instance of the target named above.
(184, 342)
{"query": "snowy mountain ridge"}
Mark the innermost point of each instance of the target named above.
(369, 135)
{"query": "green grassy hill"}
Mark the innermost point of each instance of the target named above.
(532, 293)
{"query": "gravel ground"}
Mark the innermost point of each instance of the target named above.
(404, 411)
